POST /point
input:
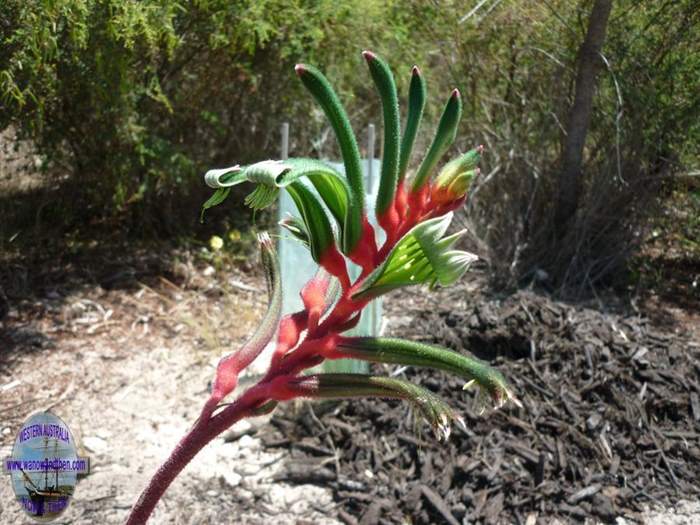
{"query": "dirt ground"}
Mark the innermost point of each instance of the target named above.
(127, 369)
(610, 423)
(124, 354)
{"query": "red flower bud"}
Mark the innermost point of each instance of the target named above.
(290, 329)
(313, 295)
(365, 253)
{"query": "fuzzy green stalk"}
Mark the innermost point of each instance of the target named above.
(384, 81)
(417, 94)
(444, 137)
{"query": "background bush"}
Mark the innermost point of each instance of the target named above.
(134, 100)
(127, 103)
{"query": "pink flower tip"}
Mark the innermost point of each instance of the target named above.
(415, 71)
(369, 55)
(300, 69)
(480, 148)
(455, 93)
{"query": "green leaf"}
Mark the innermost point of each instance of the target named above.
(319, 87)
(384, 81)
(340, 386)
(403, 352)
(417, 93)
(444, 137)
(422, 256)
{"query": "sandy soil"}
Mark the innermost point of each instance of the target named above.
(128, 371)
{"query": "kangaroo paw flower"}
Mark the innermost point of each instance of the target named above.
(339, 386)
(422, 256)
(230, 366)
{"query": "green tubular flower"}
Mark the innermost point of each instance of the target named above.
(422, 256)
(338, 386)
(270, 176)
(444, 137)
(455, 177)
(319, 87)
(273, 275)
(403, 352)
(315, 220)
(264, 174)
(274, 175)
(417, 94)
(296, 227)
(456, 167)
(450, 189)
(261, 197)
(211, 178)
(384, 81)
(230, 366)
(331, 186)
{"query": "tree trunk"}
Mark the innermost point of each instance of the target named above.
(580, 115)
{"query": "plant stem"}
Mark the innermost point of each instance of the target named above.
(204, 430)
(210, 425)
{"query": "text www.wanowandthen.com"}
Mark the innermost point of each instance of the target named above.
(41, 465)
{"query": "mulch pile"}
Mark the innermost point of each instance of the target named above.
(610, 424)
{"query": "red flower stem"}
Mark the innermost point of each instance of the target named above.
(205, 429)
(183, 453)
(294, 361)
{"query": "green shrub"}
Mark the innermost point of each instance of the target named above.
(133, 99)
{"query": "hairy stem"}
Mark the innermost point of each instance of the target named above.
(210, 425)
(189, 446)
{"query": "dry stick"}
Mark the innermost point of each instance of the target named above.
(667, 464)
